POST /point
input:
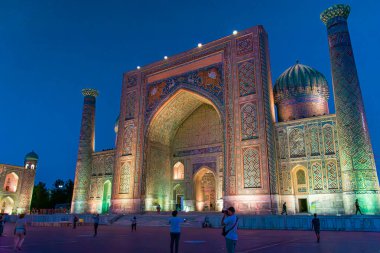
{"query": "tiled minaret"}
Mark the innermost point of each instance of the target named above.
(86, 148)
(359, 175)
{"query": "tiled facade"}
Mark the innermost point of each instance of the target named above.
(17, 184)
(197, 131)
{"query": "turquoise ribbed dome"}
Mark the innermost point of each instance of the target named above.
(299, 78)
(31, 156)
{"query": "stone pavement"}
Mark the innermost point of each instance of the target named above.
(156, 240)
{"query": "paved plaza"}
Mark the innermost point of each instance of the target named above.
(156, 239)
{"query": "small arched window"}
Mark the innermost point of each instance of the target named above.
(11, 182)
(301, 177)
(178, 171)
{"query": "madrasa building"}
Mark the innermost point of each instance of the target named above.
(198, 131)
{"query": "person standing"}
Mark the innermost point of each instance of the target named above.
(75, 220)
(230, 222)
(175, 231)
(284, 210)
(134, 223)
(357, 207)
(1, 225)
(96, 223)
(316, 225)
(19, 232)
(158, 208)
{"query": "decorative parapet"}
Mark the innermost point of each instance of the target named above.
(338, 10)
(90, 92)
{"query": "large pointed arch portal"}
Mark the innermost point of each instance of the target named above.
(187, 128)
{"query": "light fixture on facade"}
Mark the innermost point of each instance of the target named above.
(234, 32)
(199, 44)
(165, 57)
(138, 67)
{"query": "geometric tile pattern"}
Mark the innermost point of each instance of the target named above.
(131, 81)
(356, 154)
(246, 78)
(332, 176)
(130, 105)
(208, 79)
(244, 45)
(328, 137)
(296, 143)
(251, 167)
(125, 177)
(128, 139)
(314, 141)
(317, 176)
(249, 122)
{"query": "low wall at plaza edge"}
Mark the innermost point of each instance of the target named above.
(368, 223)
(36, 219)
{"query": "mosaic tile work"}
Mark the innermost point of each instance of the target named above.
(317, 176)
(86, 147)
(131, 81)
(296, 143)
(125, 178)
(209, 79)
(251, 168)
(328, 139)
(130, 105)
(332, 175)
(128, 138)
(356, 153)
(249, 128)
(247, 84)
(244, 45)
(314, 141)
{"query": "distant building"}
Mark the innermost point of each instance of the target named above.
(197, 131)
(17, 184)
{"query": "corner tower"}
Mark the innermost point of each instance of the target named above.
(356, 156)
(85, 150)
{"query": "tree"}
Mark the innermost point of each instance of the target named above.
(62, 192)
(40, 197)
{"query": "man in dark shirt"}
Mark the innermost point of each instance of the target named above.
(284, 211)
(315, 224)
(96, 223)
(357, 206)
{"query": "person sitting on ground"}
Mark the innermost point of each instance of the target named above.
(206, 222)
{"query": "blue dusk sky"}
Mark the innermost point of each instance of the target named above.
(50, 50)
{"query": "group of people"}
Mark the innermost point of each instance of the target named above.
(229, 223)
(357, 208)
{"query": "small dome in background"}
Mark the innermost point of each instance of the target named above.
(31, 156)
(301, 92)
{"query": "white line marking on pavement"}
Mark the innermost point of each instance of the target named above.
(194, 241)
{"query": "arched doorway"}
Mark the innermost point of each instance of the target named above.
(179, 197)
(7, 205)
(11, 182)
(106, 199)
(205, 190)
(186, 127)
(301, 186)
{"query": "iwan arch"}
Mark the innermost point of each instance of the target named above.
(197, 131)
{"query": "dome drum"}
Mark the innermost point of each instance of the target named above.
(301, 92)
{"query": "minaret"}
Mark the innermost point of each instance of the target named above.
(357, 163)
(86, 148)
